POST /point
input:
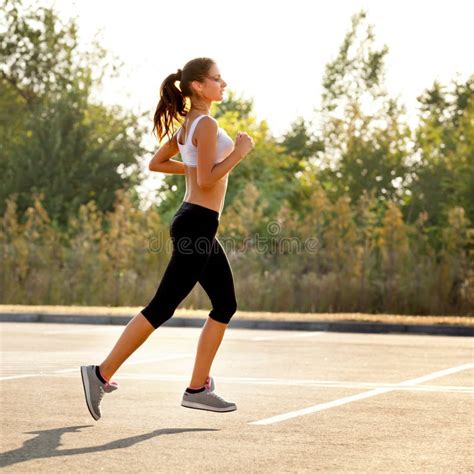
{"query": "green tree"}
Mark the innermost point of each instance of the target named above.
(300, 143)
(366, 142)
(55, 139)
(443, 176)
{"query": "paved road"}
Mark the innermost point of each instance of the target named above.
(307, 401)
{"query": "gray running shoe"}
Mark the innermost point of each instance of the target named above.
(94, 389)
(207, 400)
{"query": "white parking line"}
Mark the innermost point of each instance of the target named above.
(361, 396)
(24, 376)
(82, 330)
(279, 382)
(287, 336)
(166, 356)
(304, 383)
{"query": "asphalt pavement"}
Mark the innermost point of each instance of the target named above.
(307, 401)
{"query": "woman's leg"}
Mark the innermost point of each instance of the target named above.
(190, 253)
(209, 341)
(134, 335)
(217, 280)
(179, 278)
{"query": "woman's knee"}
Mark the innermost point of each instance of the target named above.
(224, 313)
(156, 317)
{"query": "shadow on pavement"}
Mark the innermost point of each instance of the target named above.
(46, 443)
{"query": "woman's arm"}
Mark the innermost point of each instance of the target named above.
(219, 170)
(209, 173)
(168, 167)
(162, 162)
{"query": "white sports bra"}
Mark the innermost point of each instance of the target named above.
(188, 150)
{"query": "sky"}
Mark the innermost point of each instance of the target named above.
(273, 52)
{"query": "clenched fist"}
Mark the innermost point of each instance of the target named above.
(244, 143)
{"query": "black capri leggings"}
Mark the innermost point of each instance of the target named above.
(197, 256)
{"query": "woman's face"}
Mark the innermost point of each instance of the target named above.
(212, 89)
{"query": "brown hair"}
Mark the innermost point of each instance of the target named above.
(172, 101)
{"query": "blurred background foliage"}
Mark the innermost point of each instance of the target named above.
(357, 212)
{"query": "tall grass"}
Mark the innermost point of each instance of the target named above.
(336, 257)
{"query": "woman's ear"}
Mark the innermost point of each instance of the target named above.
(196, 86)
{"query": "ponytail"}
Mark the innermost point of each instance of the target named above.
(172, 103)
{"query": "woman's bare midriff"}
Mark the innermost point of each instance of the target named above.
(212, 197)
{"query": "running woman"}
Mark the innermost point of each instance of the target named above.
(208, 155)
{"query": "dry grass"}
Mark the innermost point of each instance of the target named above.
(361, 262)
(182, 312)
